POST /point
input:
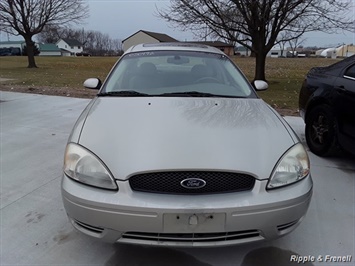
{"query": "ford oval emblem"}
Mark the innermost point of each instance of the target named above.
(193, 183)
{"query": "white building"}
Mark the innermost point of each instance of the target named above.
(345, 50)
(276, 51)
(69, 47)
(49, 49)
(319, 52)
(143, 36)
(329, 53)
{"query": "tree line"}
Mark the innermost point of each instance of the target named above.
(95, 43)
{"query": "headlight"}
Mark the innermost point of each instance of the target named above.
(292, 167)
(83, 166)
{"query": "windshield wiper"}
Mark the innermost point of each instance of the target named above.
(123, 93)
(197, 94)
(132, 93)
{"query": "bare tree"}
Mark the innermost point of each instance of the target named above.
(281, 42)
(29, 17)
(49, 34)
(256, 24)
(116, 46)
(295, 43)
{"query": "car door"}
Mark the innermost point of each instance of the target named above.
(345, 101)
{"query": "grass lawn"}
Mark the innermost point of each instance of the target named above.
(285, 75)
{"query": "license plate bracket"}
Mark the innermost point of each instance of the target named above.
(194, 222)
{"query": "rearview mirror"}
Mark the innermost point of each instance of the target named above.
(178, 60)
(92, 83)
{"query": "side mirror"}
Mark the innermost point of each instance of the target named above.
(92, 83)
(260, 85)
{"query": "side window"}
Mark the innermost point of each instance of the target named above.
(350, 72)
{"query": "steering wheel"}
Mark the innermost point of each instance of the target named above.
(207, 79)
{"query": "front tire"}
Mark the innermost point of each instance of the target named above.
(321, 131)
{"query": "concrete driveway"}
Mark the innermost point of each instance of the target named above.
(34, 229)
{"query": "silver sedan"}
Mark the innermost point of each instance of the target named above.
(177, 149)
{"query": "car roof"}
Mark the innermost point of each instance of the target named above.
(336, 68)
(173, 46)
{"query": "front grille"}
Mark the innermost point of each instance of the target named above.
(170, 182)
(194, 237)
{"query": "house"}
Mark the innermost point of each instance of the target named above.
(228, 49)
(13, 44)
(49, 49)
(69, 47)
(143, 36)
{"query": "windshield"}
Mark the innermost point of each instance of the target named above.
(177, 73)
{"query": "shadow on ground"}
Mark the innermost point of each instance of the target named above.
(134, 255)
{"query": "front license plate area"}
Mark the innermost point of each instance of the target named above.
(196, 223)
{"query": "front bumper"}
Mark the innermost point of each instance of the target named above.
(126, 216)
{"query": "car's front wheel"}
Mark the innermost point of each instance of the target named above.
(321, 131)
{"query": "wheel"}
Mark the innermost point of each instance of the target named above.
(321, 131)
(208, 80)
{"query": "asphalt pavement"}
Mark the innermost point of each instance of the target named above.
(34, 229)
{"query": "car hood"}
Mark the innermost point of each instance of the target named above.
(142, 134)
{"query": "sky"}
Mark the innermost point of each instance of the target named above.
(122, 18)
